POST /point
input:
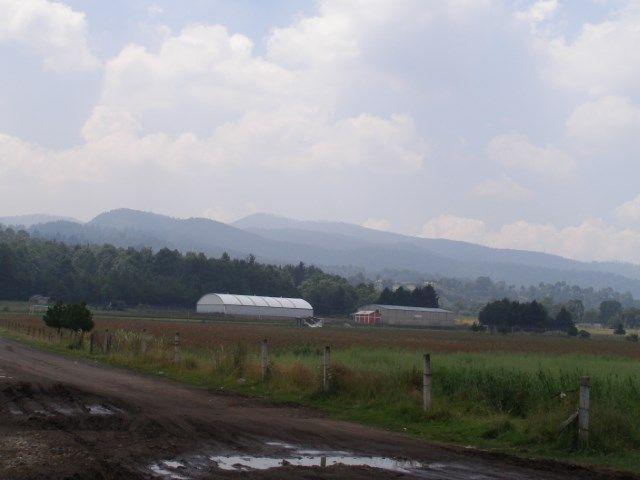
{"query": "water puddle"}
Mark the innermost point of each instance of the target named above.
(276, 455)
(13, 409)
(65, 409)
(97, 409)
(160, 470)
(246, 462)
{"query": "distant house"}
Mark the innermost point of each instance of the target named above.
(367, 317)
(38, 303)
(404, 316)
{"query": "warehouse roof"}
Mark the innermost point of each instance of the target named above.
(408, 308)
(251, 300)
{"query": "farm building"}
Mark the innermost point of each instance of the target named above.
(367, 317)
(252, 306)
(401, 316)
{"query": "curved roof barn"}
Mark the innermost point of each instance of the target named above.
(254, 306)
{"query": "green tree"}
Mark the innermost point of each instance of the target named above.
(72, 316)
(564, 321)
(576, 309)
(619, 329)
(425, 296)
(55, 316)
(609, 310)
(78, 317)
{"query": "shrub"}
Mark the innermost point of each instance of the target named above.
(572, 331)
(476, 327)
(73, 316)
(633, 337)
(584, 334)
(619, 330)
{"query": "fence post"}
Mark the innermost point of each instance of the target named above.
(176, 348)
(426, 383)
(143, 341)
(105, 344)
(264, 357)
(91, 343)
(583, 411)
(326, 368)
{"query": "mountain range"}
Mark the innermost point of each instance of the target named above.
(331, 245)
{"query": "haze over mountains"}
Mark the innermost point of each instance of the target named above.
(331, 245)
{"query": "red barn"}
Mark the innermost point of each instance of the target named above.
(367, 317)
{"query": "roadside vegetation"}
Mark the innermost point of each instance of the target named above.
(506, 392)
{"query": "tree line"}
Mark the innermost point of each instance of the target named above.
(511, 315)
(424, 296)
(507, 315)
(103, 275)
(468, 296)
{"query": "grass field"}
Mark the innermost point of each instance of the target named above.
(503, 392)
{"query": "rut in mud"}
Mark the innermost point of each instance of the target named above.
(73, 419)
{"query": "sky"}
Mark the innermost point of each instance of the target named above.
(512, 124)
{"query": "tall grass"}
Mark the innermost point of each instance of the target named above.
(504, 400)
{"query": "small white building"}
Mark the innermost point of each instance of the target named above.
(254, 306)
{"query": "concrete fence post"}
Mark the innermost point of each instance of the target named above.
(326, 369)
(583, 411)
(176, 348)
(426, 382)
(264, 360)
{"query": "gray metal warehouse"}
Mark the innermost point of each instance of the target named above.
(401, 316)
(253, 306)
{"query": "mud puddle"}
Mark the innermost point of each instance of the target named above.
(281, 455)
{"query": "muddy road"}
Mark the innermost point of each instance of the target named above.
(65, 418)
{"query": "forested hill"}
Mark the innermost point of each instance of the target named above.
(332, 246)
(103, 274)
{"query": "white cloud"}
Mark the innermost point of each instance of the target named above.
(603, 58)
(502, 187)
(455, 228)
(262, 116)
(604, 121)
(218, 213)
(629, 212)
(593, 239)
(538, 12)
(154, 10)
(377, 224)
(517, 151)
(51, 29)
(202, 65)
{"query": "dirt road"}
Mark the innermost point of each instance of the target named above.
(66, 418)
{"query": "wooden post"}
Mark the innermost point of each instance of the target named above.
(106, 345)
(326, 369)
(176, 348)
(264, 358)
(91, 340)
(426, 383)
(583, 411)
(143, 341)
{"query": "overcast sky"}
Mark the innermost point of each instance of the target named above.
(507, 123)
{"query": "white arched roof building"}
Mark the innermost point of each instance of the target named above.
(252, 306)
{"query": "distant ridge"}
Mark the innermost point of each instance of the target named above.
(32, 219)
(336, 246)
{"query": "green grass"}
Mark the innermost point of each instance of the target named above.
(508, 402)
